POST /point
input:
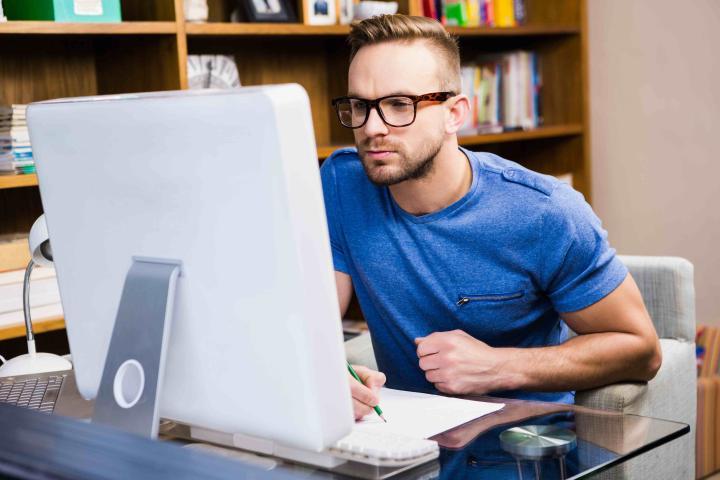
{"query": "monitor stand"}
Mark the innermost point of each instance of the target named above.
(129, 393)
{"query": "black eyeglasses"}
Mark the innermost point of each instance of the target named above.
(394, 110)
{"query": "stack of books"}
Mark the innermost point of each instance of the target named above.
(476, 13)
(44, 296)
(15, 150)
(504, 93)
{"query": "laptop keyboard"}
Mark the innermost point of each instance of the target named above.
(32, 393)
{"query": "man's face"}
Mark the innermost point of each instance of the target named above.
(391, 155)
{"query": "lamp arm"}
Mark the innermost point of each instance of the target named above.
(26, 305)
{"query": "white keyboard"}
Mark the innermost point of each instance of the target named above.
(385, 449)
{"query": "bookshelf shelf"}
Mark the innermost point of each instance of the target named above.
(522, 31)
(40, 325)
(279, 29)
(555, 131)
(56, 28)
(17, 181)
(291, 29)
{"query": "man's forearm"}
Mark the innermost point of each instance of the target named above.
(583, 362)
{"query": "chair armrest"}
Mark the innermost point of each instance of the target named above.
(616, 397)
(359, 351)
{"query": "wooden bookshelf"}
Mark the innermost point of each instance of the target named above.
(52, 28)
(148, 52)
(15, 181)
(40, 325)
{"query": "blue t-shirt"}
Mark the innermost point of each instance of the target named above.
(499, 263)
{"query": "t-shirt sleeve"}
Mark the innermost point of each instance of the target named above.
(332, 209)
(579, 266)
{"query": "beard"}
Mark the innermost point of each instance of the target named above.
(411, 167)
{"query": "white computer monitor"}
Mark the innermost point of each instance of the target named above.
(228, 183)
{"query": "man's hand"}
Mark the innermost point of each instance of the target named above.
(459, 364)
(365, 397)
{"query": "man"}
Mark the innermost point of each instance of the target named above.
(469, 268)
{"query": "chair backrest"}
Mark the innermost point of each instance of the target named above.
(666, 284)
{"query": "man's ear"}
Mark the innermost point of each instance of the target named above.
(457, 113)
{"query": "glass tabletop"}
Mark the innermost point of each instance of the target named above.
(564, 442)
(582, 441)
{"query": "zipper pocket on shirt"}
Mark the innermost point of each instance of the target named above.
(491, 297)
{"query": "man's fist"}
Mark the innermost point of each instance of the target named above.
(458, 363)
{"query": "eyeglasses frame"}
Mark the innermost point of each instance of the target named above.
(434, 96)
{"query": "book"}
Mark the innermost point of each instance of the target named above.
(43, 289)
(36, 313)
(504, 13)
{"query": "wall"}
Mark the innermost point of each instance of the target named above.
(655, 132)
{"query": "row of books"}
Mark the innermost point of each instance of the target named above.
(15, 150)
(476, 13)
(44, 296)
(504, 93)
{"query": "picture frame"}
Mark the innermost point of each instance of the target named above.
(319, 12)
(345, 11)
(270, 11)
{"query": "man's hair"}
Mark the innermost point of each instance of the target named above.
(404, 28)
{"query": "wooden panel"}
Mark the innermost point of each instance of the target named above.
(337, 72)
(19, 208)
(562, 81)
(181, 45)
(16, 181)
(220, 10)
(232, 29)
(135, 10)
(553, 12)
(53, 28)
(138, 64)
(281, 29)
(40, 325)
(37, 68)
(274, 60)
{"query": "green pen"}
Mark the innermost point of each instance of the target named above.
(355, 375)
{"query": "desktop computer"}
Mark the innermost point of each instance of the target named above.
(226, 184)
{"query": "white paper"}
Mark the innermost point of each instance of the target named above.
(421, 415)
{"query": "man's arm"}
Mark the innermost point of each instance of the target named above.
(616, 342)
(344, 291)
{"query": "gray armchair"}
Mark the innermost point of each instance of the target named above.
(667, 287)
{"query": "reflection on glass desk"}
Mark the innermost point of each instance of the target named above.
(473, 451)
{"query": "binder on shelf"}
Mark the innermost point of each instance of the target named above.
(64, 10)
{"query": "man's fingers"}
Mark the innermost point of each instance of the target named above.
(435, 376)
(427, 346)
(360, 409)
(371, 378)
(362, 394)
(430, 362)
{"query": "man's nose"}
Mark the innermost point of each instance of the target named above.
(375, 125)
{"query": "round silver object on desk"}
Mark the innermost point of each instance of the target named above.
(538, 441)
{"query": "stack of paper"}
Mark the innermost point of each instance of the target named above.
(15, 150)
(44, 295)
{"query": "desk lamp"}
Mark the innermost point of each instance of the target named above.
(34, 362)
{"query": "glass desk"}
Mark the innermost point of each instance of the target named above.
(60, 447)
(474, 450)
